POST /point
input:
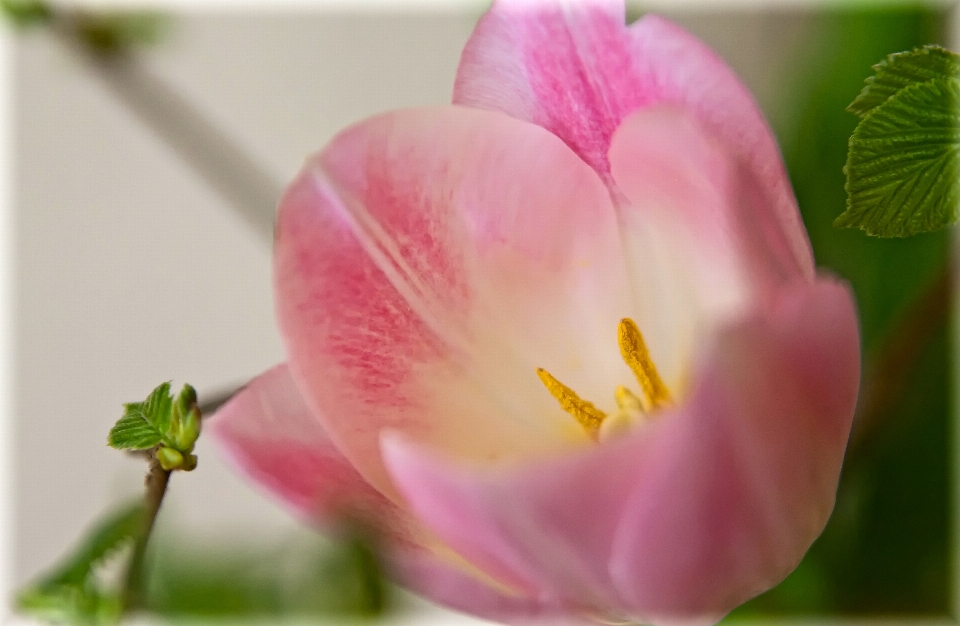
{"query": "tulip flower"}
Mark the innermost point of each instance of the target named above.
(563, 343)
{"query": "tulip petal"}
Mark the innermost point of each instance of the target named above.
(698, 228)
(689, 74)
(576, 70)
(709, 505)
(745, 478)
(437, 580)
(268, 431)
(565, 66)
(551, 526)
(426, 263)
(272, 436)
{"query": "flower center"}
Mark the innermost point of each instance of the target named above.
(630, 409)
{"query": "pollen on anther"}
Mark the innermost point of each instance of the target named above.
(634, 351)
(589, 416)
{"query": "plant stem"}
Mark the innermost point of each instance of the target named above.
(210, 150)
(155, 488)
(886, 377)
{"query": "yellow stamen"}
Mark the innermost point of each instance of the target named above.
(588, 415)
(634, 351)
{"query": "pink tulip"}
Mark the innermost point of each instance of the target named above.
(430, 262)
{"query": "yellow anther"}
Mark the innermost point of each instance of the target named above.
(634, 351)
(588, 415)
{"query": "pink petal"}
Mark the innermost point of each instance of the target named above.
(273, 437)
(689, 517)
(576, 70)
(689, 74)
(743, 481)
(697, 221)
(439, 581)
(565, 66)
(426, 263)
(550, 526)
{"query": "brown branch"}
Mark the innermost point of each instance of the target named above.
(155, 488)
(886, 377)
(207, 148)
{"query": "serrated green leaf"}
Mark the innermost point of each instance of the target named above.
(158, 407)
(144, 424)
(901, 70)
(903, 164)
(132, 432)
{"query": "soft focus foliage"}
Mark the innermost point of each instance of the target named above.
(300, 579)
(78, 591)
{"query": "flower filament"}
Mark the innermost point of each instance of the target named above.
(630, 408)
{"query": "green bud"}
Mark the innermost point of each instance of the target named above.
(191, 429)
(185, 420)
(170, 459)
(187, 398)
(189, 463)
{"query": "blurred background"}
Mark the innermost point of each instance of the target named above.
(142, 204)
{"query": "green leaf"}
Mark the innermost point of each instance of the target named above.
(158, 407)
(73, 592)
(901, 70)
(903, 163)
(125, 523)
(132, 432)
(144, 424)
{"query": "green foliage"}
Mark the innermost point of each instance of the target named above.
(144, 424)
(79, 592)
(169, 424)
(903, 166)
(26, 12)
(903, 69)
(903, 161)
(113, 32)
(105, 32)
(311, 577)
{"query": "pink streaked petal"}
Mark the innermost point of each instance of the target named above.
(565, 66)
(578, 71)
(694, 513)
(426, 263)
(744, 479)
(272, 436)
(686, 72)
